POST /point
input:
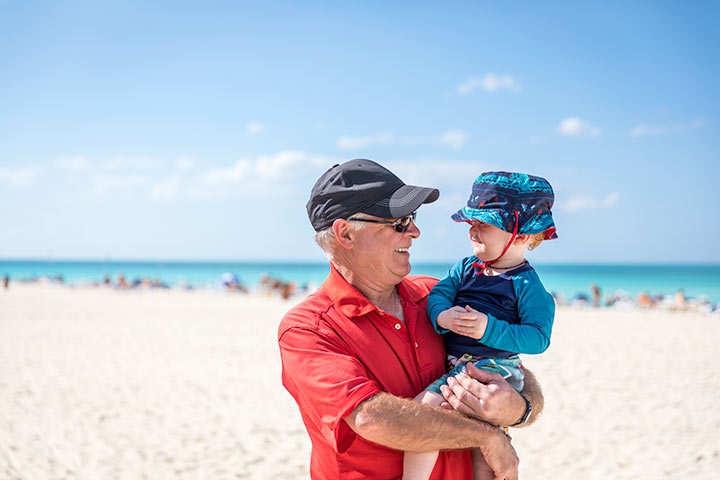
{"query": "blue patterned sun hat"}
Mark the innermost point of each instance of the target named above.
(496, 196)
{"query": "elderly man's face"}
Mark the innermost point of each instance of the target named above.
(382, 253)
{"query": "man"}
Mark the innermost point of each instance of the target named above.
(357, 351)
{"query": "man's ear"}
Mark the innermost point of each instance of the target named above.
(343, 233)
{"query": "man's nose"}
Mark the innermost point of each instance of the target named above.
(413, 230)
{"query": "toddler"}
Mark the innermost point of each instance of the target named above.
(492, 306)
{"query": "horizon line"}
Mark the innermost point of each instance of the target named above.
(324, 261)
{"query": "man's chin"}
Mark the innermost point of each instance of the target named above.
(403, 270)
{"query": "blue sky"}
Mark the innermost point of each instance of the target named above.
(195, 130)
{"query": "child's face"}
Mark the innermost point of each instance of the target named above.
(488, 241)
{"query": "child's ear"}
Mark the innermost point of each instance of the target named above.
(521, 240)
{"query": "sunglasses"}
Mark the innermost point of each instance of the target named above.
(401, 224)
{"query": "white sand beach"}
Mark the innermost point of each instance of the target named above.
(104, 384)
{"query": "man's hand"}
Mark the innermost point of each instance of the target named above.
(501, 457)
(463, 321)
(490, 398)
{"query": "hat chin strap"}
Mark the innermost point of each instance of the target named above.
(483, 265)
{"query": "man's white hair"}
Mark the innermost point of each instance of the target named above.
(325, 238)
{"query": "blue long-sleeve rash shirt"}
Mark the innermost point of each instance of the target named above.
(520, 311)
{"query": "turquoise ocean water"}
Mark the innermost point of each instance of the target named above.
(568, 280)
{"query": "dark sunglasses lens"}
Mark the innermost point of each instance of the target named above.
(404, 223)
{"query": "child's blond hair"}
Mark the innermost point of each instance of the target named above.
(535, 240)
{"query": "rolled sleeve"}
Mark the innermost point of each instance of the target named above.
(327, 381)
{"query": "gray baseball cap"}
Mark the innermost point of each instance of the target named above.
(362, 185)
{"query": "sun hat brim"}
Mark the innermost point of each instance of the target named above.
(504, 221)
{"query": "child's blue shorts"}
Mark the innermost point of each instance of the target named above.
(510, 369)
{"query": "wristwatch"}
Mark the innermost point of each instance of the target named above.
(526, 415)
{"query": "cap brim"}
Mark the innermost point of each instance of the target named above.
(403, 201)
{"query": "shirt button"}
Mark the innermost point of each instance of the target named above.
(398, 326)
(416, 345)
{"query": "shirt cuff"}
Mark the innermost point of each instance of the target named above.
(490, 331)
(344, 435)
(434, 323)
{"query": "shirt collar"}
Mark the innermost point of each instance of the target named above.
(350, 302)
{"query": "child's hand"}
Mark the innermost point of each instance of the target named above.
(469, 322)
(446, 318)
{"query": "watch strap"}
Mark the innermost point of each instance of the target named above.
(526, 415)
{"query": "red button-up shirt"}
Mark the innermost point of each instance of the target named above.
(337, 350)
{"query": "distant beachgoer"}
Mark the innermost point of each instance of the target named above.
(231, 283)
(680, 300)
(644, 300)
(596, 294)
(122, 282)
(492, 305)
(271, 285)
(558, 297)
(285, 289)
(265, 284)
(6, 282)
(580, 299)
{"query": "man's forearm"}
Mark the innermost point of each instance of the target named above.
(404, 424)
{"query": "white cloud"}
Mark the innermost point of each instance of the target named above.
(645, 130)
(184, 163)
(576, 204)
(166, 189)
(78, 162)
(611, 199)
(254, 127)
(274, 166)
(105, 183)
(575, 127)
(347, 142)
(490, 82)
(258, 172)
(455, 138)
(18, 177)
(235, 174)
(584, 202)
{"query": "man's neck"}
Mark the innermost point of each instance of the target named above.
(384, 297)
